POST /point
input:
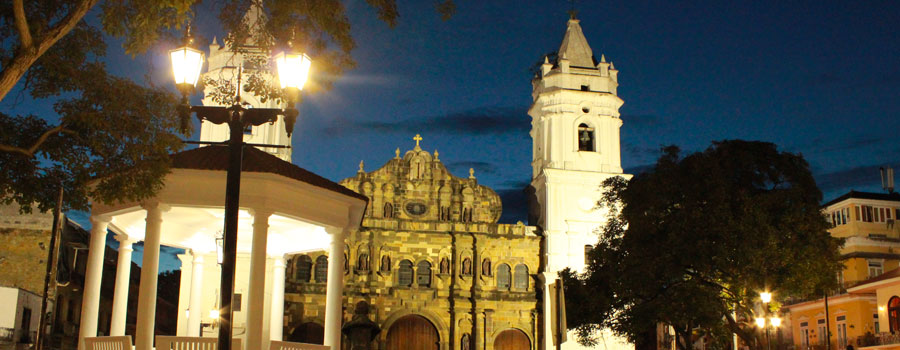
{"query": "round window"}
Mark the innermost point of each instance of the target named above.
(415, 208)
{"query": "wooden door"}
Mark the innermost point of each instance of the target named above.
(512, 339)
(412, 332)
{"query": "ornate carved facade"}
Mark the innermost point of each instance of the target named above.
(432, 261)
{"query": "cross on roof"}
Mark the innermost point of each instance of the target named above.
(417, 138)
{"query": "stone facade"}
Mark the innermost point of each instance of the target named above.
(430, 245)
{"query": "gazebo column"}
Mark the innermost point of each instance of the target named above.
(335, 289)
(120, 294)
(276, 315)
(90, 302)
(196, 296)
(257, 288)
(146, 311)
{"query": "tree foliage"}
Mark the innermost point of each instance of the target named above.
(113, 131)
(696, 238)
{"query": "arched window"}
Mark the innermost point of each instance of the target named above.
(894, 314)
(520, 276)
(388, 210)
(503, 277)
(585, 138)
(423, 274)
(302, 272)
(322, 269)
(405, 275)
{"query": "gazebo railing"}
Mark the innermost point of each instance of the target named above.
(166, 342)
(108, 343)
(286, 345)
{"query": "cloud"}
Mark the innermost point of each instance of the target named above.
(641, 120)
(515, 201)
(641, 151)
(824, 146)
(480, 167)
(493, 120)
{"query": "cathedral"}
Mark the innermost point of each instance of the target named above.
(430, 259)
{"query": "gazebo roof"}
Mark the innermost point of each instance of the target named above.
(255, 160)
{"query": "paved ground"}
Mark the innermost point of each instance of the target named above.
(13, 346)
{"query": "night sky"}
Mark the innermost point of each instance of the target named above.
(816, 77)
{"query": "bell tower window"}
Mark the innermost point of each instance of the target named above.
(585, 138)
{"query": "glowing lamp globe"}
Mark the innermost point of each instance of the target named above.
(775, 321)
(186, 65)
(760, 322)
(293, 69)
(765, 297)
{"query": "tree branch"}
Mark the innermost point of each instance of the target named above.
(23, 59)
(29, 152)
(22, 24)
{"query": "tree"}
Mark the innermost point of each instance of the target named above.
(114, 131)
(692, 242)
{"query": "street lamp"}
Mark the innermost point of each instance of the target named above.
(293, 70)
(766, 297)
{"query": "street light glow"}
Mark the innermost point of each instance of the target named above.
(214, 314)
(293, 69)
(766, 297)
(775, 322)
(186, 65)
(760, 322)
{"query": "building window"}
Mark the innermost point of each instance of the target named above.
(322, 269)
(405, 275)
(423, 274)
(587, 253)
(894, 314)
(304, 265)
(875, 317)
(503, 277)
(585, 138)
(823, 336)
(876, 268)
(520, 276)
(804, 334)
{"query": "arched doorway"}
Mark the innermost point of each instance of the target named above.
(412, 332)
(309, 332)
(894, 314)
(512, 339)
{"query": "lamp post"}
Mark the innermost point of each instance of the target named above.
(293, 70)
(764, 322)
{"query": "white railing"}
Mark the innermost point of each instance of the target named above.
(108, 343)
(166, 342)
(286, 345)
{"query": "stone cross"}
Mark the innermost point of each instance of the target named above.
(417, 138)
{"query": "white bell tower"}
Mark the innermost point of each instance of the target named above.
(224, 66)
(575, 133)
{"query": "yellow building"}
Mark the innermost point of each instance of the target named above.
(872, 247)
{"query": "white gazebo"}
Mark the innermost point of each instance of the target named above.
(284, 209)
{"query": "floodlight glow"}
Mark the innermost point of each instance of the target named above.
(214, 314)
(765, 297)
(775, 322)
(760, 322)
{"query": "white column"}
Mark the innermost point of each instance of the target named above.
(257, 287)
(196, 296)
(146, 312)
(335, 289)
(90, 302)
(184, 294)
(276, 320)
(120, 295)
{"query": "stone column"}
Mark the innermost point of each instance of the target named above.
(146, 311)
(196, 296)
(257, 287)
(276, 320)
(120, 295)
(335, 289)
(90, 302)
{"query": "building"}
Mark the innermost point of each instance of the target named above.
(431, 259)
(871, 248)
(430, 256)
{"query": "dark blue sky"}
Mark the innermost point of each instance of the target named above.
(816, 77)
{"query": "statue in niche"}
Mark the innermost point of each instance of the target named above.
(467, 267)
(361, 331)
(385, 263)
(486, 267)
(466, 342)
(363, 263)
(346, 264)
(445, 266)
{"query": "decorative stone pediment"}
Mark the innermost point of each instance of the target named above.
(417, 186)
